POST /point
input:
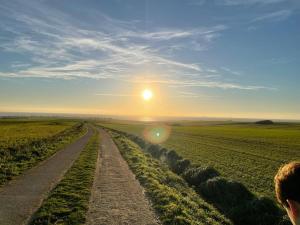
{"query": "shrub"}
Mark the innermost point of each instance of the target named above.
(224, 193)
(265, 122)
(197, 175)
(238, 203)
(173, 156)
(140, 141)
(164, 151)
(180, 166)
(260, 211)
(155, 151)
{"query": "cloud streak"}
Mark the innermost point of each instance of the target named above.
(248, 2)
(114, 95)
(59, 46)
(274, 16)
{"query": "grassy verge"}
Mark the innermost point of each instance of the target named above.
(174, 201)
(17, 159)
(68, 201)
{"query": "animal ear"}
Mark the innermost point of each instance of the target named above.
(293, 207)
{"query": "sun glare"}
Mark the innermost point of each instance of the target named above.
(147, 94)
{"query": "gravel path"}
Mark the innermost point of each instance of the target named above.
(117, 197)
(20, 198)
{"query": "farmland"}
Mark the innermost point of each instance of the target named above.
(15, 132)
(25, 142)
(244, 152)
(202, 173)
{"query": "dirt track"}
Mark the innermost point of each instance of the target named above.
(117, 197)
(23, 196)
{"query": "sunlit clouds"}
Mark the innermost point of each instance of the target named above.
(60, 46)
(195, 58)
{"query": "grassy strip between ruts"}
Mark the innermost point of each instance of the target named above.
(68, 201)
(174, 201)
(15, 160)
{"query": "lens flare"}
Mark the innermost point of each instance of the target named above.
(157, 134)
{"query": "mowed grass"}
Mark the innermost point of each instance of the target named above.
(25, 143)
(245, 152)
(68, 201)
(173, 200)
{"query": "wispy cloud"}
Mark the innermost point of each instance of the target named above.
(178, 94)
(280, 61)
(248, 2)
(274, 16)
(59, 46)
(186, 94)
(114, 95)
(231, 71)
(179, 83)
(168, 34)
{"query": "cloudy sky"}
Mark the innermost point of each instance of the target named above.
(227, 58)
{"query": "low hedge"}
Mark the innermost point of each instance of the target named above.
(171, 197)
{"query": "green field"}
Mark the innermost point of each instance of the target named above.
(15, 132)
(25, 142)
(244, 152)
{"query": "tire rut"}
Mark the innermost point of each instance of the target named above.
(117, 197)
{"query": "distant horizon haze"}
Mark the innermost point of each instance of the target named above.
(146, 119)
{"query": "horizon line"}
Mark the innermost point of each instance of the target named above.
(4, 114)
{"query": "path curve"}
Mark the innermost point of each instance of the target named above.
(21, 197)
(117, 197)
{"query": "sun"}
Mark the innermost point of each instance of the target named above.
(147, 94)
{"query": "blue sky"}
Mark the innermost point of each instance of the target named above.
(232, 58)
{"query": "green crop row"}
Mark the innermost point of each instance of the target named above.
(173, 200)
(16, 159)
(68, 201)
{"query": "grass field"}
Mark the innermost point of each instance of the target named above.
(15, 132)
(245, 152)
(24, 143)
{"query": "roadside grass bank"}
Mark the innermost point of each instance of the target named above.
(68, 202)
(231, 198)
(173, 200)
(14, 160)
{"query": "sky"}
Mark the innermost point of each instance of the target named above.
(200, 58)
